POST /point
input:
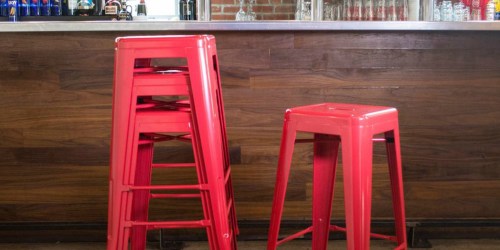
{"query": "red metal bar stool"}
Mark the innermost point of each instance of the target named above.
(354, 126)
(142, 118)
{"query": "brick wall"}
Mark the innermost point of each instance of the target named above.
(265, 9)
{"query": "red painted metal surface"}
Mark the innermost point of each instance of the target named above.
(139, 121)
(354, 127)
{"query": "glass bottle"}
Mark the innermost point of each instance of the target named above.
(45, 7)
(23, 7)
(476, 10)
(55, 7)
(490, 11)
(13, 13)
(241, 15)
(34, 8)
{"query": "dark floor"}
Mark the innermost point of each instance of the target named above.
(250, 245)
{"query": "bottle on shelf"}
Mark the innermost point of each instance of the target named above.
(45, 7)
(497, 10)
(23, 7)
(55, 7)
(13, 14)
(3, 8)
(141, 9)
(125, 13)
(70, 7)
(34, 7)
(89, 7)
(187, 10)
(112, 8)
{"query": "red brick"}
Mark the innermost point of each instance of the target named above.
(225, 2)
(216, 9)
(222, 17)
(292, 2)
(231, 9)
(260, 9)
(275, 2)
(276, 17)
(260, 1)
(284, 9)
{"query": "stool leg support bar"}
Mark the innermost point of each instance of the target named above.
(284, 163)
(357, 162)
(325, 162)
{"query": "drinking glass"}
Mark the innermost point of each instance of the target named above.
(250, 16)
(446, 11)
(380, 12)
(467, 13)
(437, 12)
(391, 10)
(368, 10)
(402, 10)
(458, 12)
(337, 11)
(327, 11)
(357, 11)
(476, 10)
(347, 8)
(490, 10)
(241, 15)
(306, 11)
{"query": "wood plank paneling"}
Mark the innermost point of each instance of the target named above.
(56, 88)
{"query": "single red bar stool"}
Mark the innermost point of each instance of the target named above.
(147, 110)
(354, 126)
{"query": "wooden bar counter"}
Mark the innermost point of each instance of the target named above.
(55, 98)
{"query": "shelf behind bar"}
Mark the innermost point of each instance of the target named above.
(157, 25)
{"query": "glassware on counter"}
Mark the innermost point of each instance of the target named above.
(303, 10)
(357, 10)
(463, 10)
(380, 13)
(446, 11)
(490, 11)
(368, 10)
(241, 15)
(476, 10)
(251, 16)
(391, 10)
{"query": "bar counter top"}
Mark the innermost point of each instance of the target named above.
(150, 25)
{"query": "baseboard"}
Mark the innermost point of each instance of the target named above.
(249, 230)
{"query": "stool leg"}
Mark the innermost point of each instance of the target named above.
(396, 175)
(325, 162)
(357, 165)
(284, 163)
(122, 88)
(141, 197)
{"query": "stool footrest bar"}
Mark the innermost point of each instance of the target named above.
(315, 140)
(170, 224)
(294, 236)
(372, 235)
(174, 165)
(170, 187)
(175, 196)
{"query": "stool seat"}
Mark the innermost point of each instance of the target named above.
(353, 126)
(343, 110)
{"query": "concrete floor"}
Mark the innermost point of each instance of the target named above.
(251, 245)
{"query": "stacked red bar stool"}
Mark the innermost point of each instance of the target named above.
(354, 127)
(147, 110)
